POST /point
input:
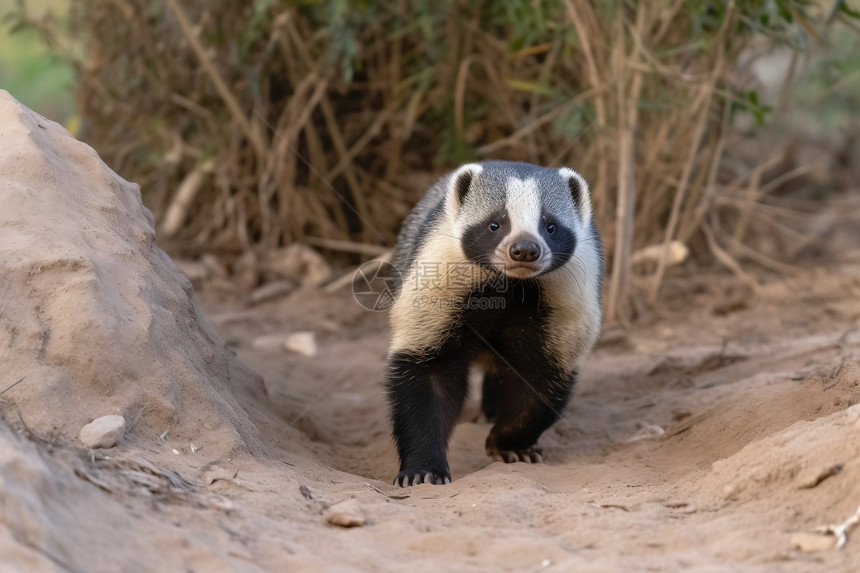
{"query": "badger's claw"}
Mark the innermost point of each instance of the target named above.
(415, 477)
(529, 456)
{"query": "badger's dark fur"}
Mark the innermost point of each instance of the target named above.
(501, 266)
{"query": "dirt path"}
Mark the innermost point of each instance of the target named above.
(704, 441)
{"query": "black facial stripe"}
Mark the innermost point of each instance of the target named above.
(479, 242)
(562, 243)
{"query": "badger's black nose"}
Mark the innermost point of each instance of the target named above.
(525, 251)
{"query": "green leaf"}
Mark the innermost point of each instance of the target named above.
(529, 87)
(843, 7)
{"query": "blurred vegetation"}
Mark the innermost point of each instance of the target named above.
(30, 67)
(251, 125)
(830, 91)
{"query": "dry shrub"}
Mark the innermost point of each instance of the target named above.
(254, 125)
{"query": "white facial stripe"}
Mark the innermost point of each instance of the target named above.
(524, 206)
(524, 209)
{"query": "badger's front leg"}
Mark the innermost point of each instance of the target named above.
(529, 400)
(425, 395)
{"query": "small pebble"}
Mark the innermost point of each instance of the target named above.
(217, 473)
(103, 432)
(346, 514)
(681, 413)
(303, 343)
(270, 340)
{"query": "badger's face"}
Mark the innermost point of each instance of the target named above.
(518, 219)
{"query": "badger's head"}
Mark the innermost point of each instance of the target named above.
(518, 219)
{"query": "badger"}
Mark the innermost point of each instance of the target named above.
(501, 268)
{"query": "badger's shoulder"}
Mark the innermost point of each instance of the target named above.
(434, 274)
(419, 225)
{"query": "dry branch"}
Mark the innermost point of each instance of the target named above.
(177, 211)
(703, 104)
(331, 127)
(225, 93)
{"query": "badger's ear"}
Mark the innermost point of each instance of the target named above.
(461, 183)
(579, 191)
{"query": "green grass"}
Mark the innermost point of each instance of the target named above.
(29, 70)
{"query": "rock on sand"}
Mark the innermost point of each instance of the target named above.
(103, 432)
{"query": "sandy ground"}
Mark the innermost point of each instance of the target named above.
(753, 397)
(705, 437)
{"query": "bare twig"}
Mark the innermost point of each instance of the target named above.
(176, 212)
(388, 495)
(12, 386)
(840, 530)
(576, 10)
(225, 93)
(727, 260)
(628, 111)
(704, 106)
(347, 278)
(346, 246)
(342, 152)
(532, 126)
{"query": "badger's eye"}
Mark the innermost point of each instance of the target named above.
(550, 228)
(494, 226)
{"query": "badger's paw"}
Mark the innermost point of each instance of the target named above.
(529, 456)
(415, 477)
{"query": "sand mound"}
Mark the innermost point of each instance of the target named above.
(94, 317)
